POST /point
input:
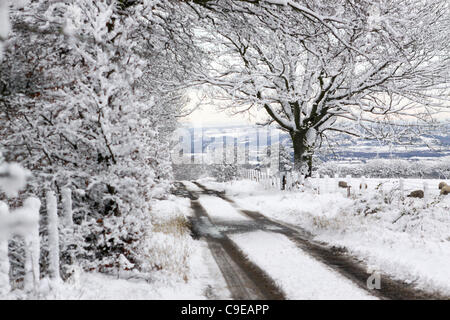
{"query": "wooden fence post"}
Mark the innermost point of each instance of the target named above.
(5, 286)
(53, 235)
(32, 249)
(67, 207)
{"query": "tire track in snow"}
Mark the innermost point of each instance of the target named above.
(245, 280)
(336, 258)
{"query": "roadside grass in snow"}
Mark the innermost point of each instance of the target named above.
(170, 245)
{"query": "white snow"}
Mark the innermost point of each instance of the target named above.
(53, 235)
(67, 207)
(32, 245)
(220, 210)
(191, 186)
(298, 275)
(205, 282)
(4, 260)
(409, 239)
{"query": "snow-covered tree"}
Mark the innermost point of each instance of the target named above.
(90, 91)
(317, 67)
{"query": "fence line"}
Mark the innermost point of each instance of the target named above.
(25, 223)
(293, 181)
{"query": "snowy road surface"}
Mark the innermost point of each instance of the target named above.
(262, 258)
(298, 274)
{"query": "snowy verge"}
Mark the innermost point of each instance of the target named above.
(174, 266)
(220, 210)
(409, 239)
(205, 282)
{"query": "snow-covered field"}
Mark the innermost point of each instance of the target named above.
(407, 238)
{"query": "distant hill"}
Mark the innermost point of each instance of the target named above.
(433, 145)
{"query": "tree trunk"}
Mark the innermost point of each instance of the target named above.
(302, 153)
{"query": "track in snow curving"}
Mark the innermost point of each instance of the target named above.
(245, 280)
(335, 258)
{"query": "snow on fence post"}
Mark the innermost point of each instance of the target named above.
(348, 179)
(289, 181)
(67, 207)
(363, 185)
(53, 236)
(5, 287)
(32, 250)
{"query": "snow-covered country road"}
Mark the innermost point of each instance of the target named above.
(264, 259)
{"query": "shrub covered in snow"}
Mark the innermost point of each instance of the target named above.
(91, 104)
(225, 172)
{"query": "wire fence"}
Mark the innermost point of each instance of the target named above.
(348, 185)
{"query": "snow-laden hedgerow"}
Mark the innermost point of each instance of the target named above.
(88, 104)
(169, 244)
